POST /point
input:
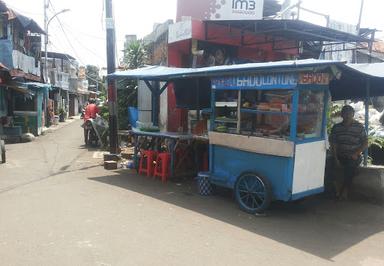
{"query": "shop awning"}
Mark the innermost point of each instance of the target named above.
(37, 85)
(19, 87)
(27, 87)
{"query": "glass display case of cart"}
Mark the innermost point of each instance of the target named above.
(226, 111)
(245, 105)
(266, 113)
(310, 113)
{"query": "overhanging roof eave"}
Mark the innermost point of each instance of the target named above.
(303, 31)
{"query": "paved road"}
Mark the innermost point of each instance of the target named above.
(58, 206)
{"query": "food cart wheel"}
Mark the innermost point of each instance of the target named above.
(253, 192)
(2, 149)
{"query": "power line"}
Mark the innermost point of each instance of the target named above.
(86, 48)
(77, 68)
(87, 34)
(70, 60)
(65, 35)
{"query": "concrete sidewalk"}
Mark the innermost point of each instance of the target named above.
(60, 125)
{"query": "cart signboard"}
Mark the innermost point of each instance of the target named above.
(257, 82)
(314, 78)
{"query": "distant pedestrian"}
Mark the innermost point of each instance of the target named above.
(348, 140)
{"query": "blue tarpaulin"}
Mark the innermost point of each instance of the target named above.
(133, 116)
(162, 73)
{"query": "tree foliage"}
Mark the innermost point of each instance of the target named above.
(135, 56)
(93, 75)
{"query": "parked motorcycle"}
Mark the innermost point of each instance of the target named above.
(2, 146)
(94, 131)
(82, 113)
(90, 136)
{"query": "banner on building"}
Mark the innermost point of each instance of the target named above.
(221, 9)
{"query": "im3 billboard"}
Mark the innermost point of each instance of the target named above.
(221, 9)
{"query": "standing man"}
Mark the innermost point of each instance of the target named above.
(348, 140)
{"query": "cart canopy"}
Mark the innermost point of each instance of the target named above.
(354, 81)
(358, 81)
(162, 73)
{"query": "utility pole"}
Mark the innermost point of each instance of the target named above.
(358, 26)
(111, 67)
(360, 16)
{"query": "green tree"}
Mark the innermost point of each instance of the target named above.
(135, 56)
(93, 77)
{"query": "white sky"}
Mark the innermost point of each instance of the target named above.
(83, 32)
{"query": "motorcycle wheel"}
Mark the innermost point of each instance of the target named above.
(2, 148)
(86, 137)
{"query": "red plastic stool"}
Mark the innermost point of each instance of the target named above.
(146, 162)
(162, 166)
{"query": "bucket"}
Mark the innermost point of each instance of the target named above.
(204, 187)
(133, 116)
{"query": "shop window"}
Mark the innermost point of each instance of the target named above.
(25, 103)
(310, 114)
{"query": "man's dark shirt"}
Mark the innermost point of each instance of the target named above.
(348, 138)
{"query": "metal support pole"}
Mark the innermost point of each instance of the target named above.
(367, 117)
(197, 100)
(45, 72)
(371, 46)
(111, 66)
(155, 102)
(358, 29)
(360, 16)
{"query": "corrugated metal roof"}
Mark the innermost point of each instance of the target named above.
(292, 30)
(26, 22)
(373, 70)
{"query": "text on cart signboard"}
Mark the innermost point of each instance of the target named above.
(314, 78)
(257, 82)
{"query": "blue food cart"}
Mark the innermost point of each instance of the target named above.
(267, 134)
(267, 128)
